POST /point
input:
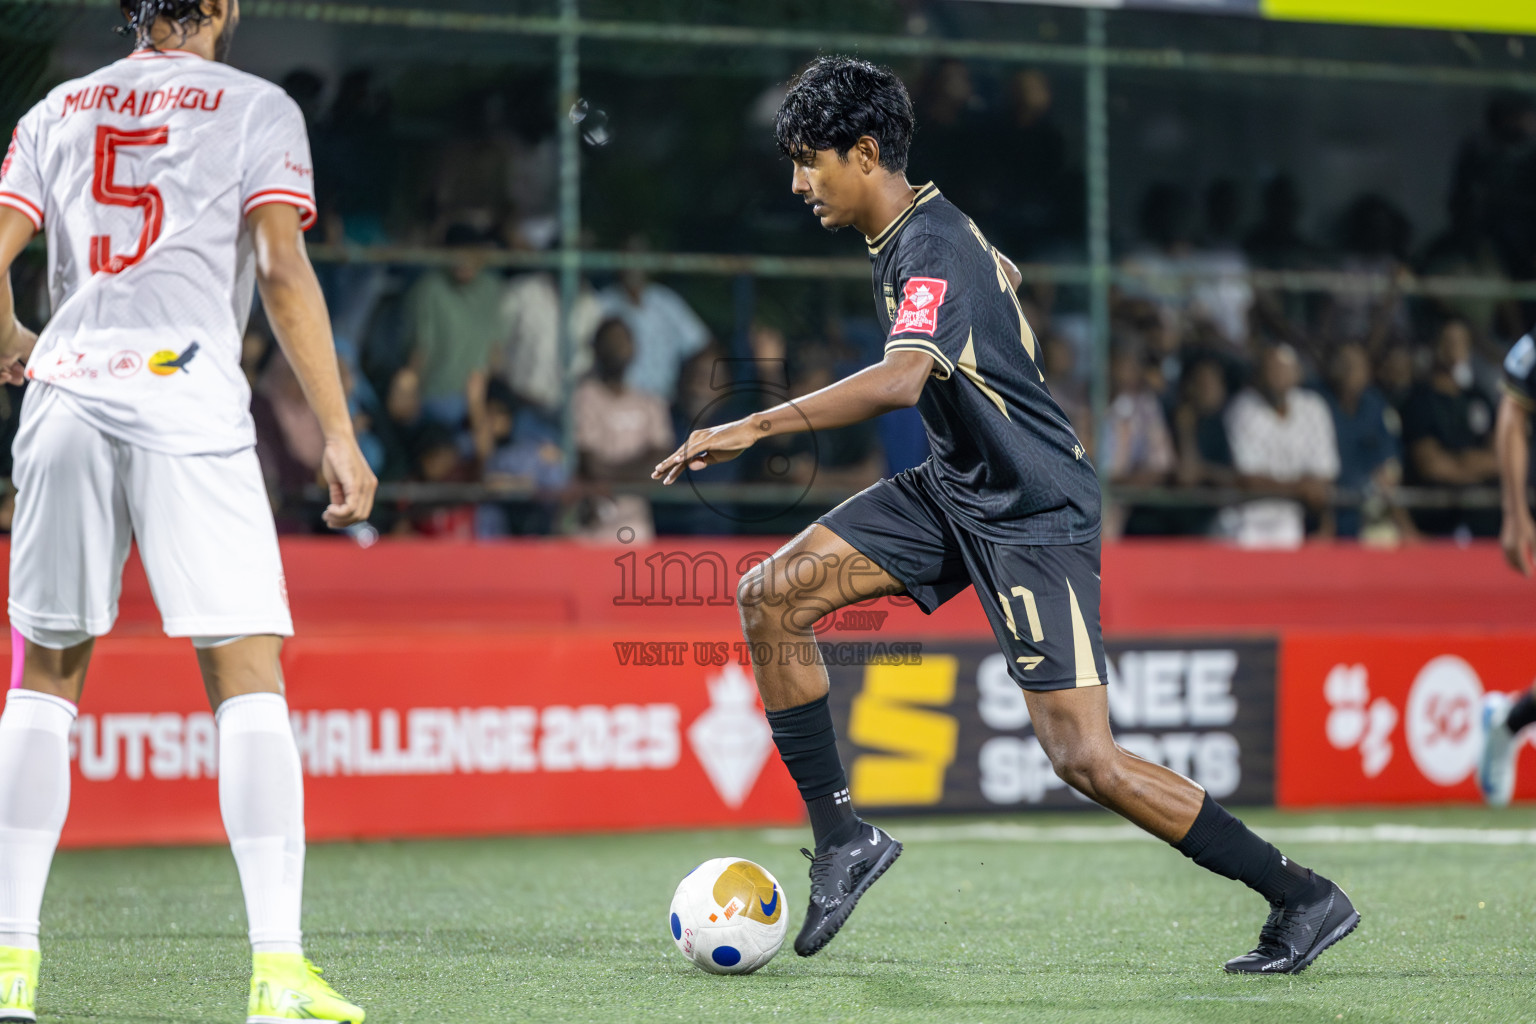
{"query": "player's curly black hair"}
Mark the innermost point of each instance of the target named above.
(142, 15)
(837, 100)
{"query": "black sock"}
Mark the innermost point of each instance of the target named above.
(808, 746)
(1221, 843)
(1523, 712)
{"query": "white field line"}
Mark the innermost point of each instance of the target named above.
(998, 832)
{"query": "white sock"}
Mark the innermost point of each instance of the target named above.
(261, 796)
(34, 798)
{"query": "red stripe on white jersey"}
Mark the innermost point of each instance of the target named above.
(25, 205)
(306, 205)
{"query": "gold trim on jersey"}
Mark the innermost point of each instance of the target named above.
(943, 369)
(1521, 399)
(967, 365)
(925, 193)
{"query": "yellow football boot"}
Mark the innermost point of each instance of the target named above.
(286, 986)
(18, 984)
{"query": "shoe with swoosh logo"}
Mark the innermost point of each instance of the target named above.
(1298, 930)
(839, 876)
(18, 984)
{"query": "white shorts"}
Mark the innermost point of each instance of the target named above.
(203, 524)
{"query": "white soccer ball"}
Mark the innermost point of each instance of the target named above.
(728, 916)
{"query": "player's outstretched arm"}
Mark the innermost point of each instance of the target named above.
(16, 342)
(1511, 440)
(296, 310)
(896, 382)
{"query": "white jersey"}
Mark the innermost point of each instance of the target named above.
(142, 174)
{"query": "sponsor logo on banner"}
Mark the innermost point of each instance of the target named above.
(674, 746)
(954, 732)
(919, 310)
(1372, 719)
(395, 741)
(732, 740)
(1357, 721)
(1441, 723)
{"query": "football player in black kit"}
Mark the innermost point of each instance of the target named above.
(1008, 503)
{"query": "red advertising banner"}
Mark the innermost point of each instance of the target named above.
(441, 735)
(1391, 718)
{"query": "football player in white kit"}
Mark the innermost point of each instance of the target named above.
(166, 184)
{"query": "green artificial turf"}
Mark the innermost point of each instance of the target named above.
(961, 929)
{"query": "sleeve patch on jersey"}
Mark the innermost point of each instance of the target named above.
(920, 302)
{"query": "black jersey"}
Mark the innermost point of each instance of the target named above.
(1009, 465)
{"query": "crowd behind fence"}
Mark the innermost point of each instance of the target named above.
(1257, 380)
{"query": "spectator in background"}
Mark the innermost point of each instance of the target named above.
(1202, 288)
(1395, 375)
(474, 170)
(1447, 431)
(665, 330)
(289, 442)
(1028, 185)
(454, 325)
(1059, 364)
(1276, 243)
(530, 357)
(622, 431)
(1464, 249)
(439, 460)
(506, 459)
(1205, 456)
(1495, 174)
(1162, 218)
(1137, 451)
(305, 87)
(509, 460)
(355, 157)
(1221, 296)
(403, 425)
(1367, 430)
(1374, 236)
(951, 113)
(1284, 447)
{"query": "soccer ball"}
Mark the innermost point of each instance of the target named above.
(728, 916)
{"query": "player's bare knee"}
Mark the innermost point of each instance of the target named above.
(1087, 769)
(754, 599)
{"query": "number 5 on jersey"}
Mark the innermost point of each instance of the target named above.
(106, 190)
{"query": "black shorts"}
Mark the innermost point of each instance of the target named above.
(1042, 601)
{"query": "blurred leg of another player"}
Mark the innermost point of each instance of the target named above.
(1503, 718)
(1505, 715)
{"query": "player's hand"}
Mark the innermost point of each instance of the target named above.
(352, 483)
(1518, 536)
(707, 448)
(17, 350)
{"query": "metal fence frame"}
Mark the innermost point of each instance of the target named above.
(1095, 58)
